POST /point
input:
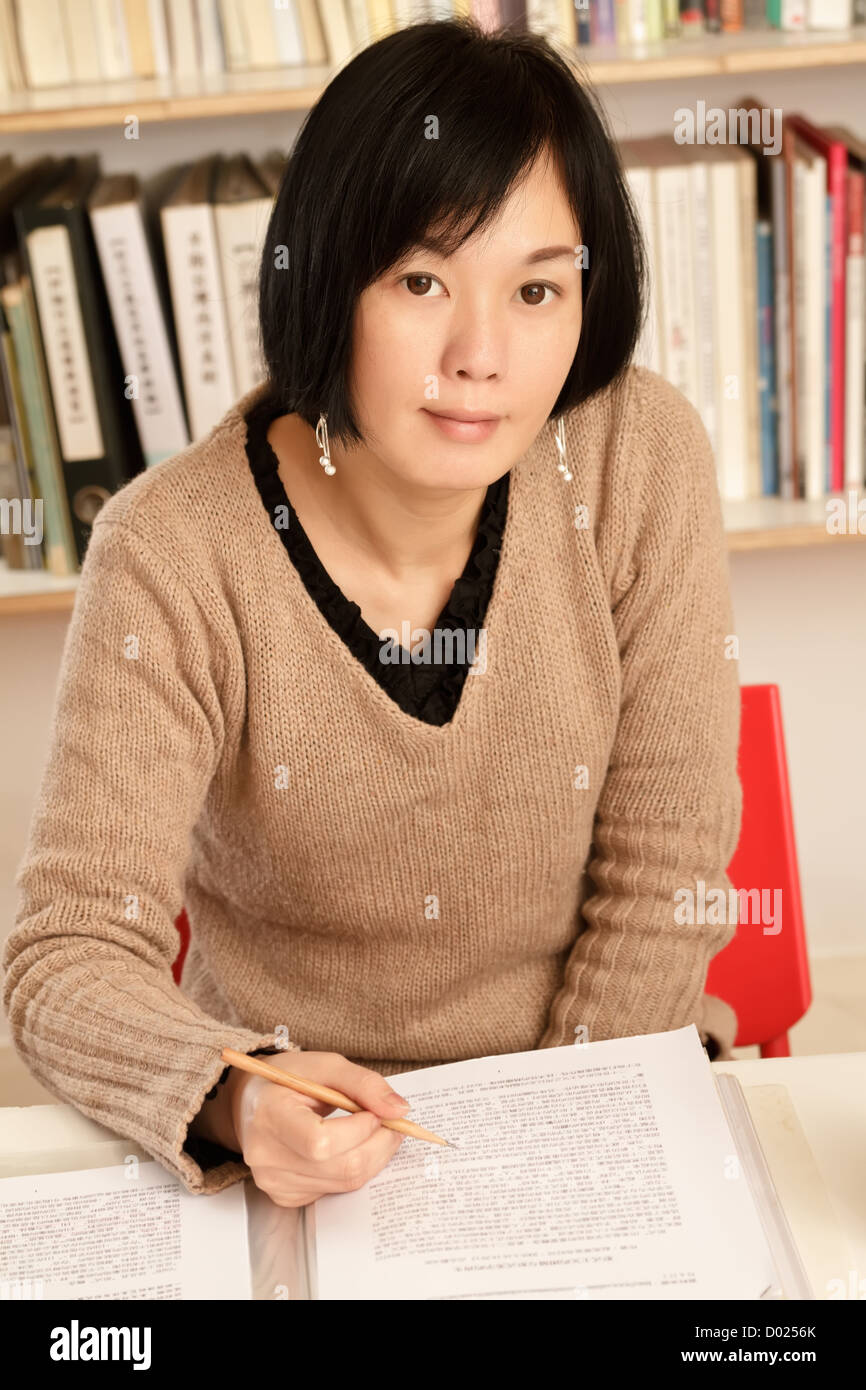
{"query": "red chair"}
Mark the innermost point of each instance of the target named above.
(182, 924)
(763, 973)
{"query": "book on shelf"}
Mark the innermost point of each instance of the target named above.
(733, 193)
(834, 154)
(19, 484)
(242, 207)
(766, 357)
(133, 271)
(210, 45)
(19, 308)
(790, 15)
(339, 39)
(270, 169)
(614, 1170)
(183, 38)
(193, 259)
(639, 177)
(810, 178)
(359, 21)
(765, 289)
(829, 14)
(855, 322)
(99, 443)
(673, 205)
(11, 538)
(698, 211)
(755, 15)
(693, 18)
(782, 204)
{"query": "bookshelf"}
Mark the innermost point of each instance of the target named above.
(778, 523)
(764, 523)
(163, 99)
(35, 591)
(722, 54)
(296, 89)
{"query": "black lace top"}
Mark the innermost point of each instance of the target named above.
(428, 690)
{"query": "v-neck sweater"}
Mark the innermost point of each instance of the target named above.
(356, 880)
(427, 689)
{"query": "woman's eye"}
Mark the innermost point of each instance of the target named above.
(419, 284)
(536, 290)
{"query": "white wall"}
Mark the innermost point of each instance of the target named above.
(801, 622)
(800, 614)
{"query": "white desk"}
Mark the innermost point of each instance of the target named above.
(814, 1138)
(822, 1181)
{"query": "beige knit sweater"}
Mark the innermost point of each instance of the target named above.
(402, 893)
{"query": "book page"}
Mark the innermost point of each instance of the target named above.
(603, 1170)
(128, 1231)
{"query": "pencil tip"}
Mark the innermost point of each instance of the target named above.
(451, 1144)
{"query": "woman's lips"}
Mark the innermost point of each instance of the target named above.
(464, 431)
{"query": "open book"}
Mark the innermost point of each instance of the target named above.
(128, 1230)
(621, 1169)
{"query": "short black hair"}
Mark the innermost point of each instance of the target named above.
(362, 185)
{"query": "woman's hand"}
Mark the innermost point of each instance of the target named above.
(293, 1154)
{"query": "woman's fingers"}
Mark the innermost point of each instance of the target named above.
(367, 1088)
(316, 1139)
(336, 1155)
(295, 1153)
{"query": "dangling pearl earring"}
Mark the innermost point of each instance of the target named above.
(322, 441)
(559, 438)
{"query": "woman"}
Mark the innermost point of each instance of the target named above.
(390, 864)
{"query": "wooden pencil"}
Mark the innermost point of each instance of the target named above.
(258, 1067)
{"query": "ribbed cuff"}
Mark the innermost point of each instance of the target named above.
(205, 1152)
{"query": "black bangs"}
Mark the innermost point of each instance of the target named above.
(419, 140)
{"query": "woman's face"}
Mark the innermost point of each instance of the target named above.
(491, 331)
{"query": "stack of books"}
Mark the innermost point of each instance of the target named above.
(128, 327)
(754, 228)
(629, 23)
(51, 43)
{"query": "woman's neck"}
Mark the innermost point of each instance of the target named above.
(412, 537)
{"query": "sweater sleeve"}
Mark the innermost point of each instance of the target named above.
(668, 813)
(135, 737)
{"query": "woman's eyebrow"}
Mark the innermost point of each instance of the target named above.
(544, 253)
(550, 253)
